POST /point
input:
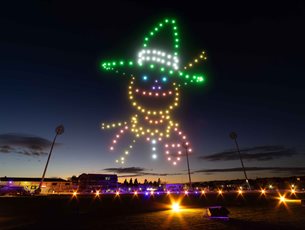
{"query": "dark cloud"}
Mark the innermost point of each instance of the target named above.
(137, 171)
(129, 175)
(161, 174)
(125, 170)
(24, 144)
(289, 170)
(258, 153)
(6, 149)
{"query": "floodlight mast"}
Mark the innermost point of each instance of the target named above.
(59, 130)
(185, 145)
(233, 136)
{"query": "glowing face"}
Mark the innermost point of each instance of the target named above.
(153, 95)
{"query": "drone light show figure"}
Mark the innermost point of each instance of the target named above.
(156, 78)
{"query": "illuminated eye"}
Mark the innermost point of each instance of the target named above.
(145, 78)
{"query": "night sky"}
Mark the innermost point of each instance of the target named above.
(49, 75)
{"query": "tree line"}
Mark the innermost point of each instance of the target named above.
(146, 182)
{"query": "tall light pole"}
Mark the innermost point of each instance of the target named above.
(233, 136)
(186, 146)
(59, 130)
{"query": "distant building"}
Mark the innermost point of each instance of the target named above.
(93, 182)
(49, 185)
(174, 187)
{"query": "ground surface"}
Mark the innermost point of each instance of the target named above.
(250, 211)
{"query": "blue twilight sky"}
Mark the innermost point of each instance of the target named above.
(49, 75)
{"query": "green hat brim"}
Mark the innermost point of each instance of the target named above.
(129, 67)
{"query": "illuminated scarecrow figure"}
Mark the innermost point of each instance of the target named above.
(154, 92)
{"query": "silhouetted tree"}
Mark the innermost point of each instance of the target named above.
(136, 183)
(130, 182)
(125, 182)
(74, 180)
(159, 181)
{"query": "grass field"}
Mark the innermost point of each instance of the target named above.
(251, 210)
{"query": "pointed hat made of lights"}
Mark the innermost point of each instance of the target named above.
(158, 60)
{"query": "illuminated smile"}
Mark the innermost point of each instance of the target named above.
(152, 93)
